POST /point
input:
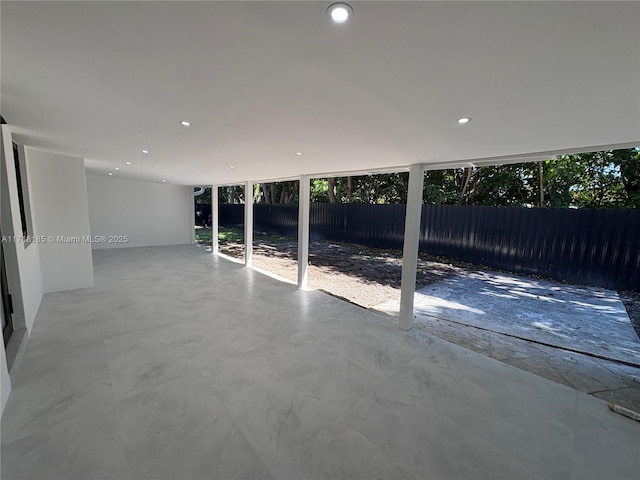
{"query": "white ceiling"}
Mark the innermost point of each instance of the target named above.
(262, 80)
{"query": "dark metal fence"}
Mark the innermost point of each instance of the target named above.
(584, 246)
(203, 214)
(278, 219)
(231, 215)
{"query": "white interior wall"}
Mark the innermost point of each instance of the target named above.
(22, 259)
(5, 379)
(60, 215)
(146, 213)
(5, 385)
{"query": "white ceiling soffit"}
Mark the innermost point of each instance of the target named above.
(260, 81)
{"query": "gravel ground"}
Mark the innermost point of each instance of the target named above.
(363, 275)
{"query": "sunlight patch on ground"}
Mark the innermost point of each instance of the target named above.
(586, 319)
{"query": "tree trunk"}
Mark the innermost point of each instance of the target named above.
(265, 193)
(349, 189)
(466, 181)
(331, 183)
(230, 194)
(272, 193)
(541, 183)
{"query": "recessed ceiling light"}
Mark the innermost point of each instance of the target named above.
(340, 12)
(128, 163)
(199, 173)
(145, 151)
(163, 180)
(299, 154)
(464, 120)
(232, 166)
(184, 123)
(117, 168)
(110, 174)
(179, 177)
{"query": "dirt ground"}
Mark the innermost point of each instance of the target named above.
(631, 301)
(363, 275)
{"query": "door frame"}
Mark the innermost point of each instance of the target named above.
(7, 309)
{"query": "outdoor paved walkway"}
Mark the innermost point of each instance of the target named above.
(588, 319)
(554, 330)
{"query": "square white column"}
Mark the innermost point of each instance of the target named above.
(248, 223)
(411, 246)
(214, 219)
(303, 232)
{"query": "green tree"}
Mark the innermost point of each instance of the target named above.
(502, 185)
(380, 188)
(506, 185)
(441, 187)
(319, 190)
(205, 197)
(277, 192)
(605, 179)
(231, 194)
(629, 163)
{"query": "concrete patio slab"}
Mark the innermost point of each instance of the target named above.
(587, 320)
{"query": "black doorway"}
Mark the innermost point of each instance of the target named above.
(7, 308)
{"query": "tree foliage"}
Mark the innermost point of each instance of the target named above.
(233, 194)
(204, 197)
(382, 188)
(606, 179)
(502, 185)
(278, 192)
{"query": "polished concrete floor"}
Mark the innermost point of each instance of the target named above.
(179, 365)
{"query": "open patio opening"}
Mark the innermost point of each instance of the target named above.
(144, 356)
(501, 315)
(230, 240)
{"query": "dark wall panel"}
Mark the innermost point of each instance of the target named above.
(584, 246)
(231, 215)
(276, 219)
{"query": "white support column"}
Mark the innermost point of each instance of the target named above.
(192, 217)
(411, 246)
(303, 232)
(214, 219)
(248, 223)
